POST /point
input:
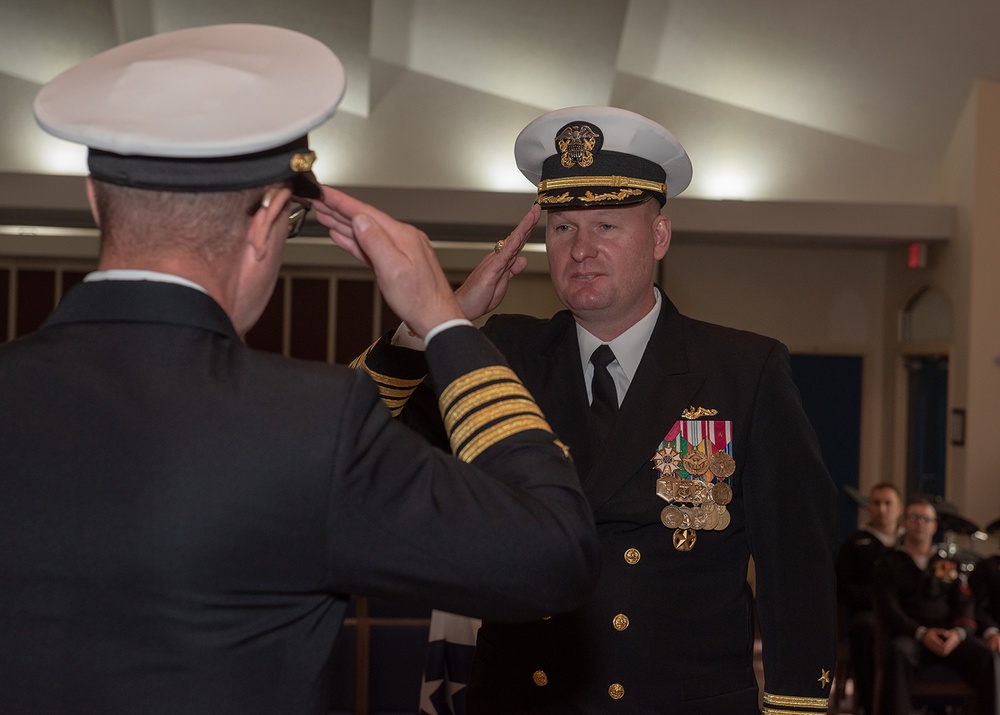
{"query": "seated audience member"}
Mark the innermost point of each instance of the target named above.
(927, 610)
(985, 582)
(855, 570)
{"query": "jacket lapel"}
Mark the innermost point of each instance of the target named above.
(560, 391)
(662, 388)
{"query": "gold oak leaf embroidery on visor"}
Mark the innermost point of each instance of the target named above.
(486, 406)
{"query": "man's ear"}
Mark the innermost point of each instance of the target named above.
(92, 200)
(260, 232)
(661, 236)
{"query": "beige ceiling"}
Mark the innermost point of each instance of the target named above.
(787, 100)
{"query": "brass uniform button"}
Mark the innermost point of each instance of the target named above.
(632, 557)
(616, 691)
(540, 678)
(545, 618)
(620, 622)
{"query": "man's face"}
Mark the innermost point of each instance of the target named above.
(920, 522)
(884, 509)
(601, 261)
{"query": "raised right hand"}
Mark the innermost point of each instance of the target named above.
(486, 286)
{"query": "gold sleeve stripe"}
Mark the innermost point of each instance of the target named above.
(359, 361)
(393, 391)
(474, 380)
(498, 432)
(772, 711)
(794, 701)
(506, 409)
(459, 410)
(486, 406)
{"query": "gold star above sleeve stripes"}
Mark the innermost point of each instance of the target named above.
(486, 406)
(792, 705)
(393, 391)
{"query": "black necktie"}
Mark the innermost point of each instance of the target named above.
(605, 402)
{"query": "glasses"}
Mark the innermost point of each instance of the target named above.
(922, 518)
(296, 218)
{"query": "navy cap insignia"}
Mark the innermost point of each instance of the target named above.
(303, 161)
(577, 144)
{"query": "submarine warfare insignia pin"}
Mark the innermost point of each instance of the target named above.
(695, 466)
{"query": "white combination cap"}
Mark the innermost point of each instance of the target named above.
(216, 108)
(600, 156)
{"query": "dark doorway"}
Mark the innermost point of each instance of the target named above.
(831, 396)
(926, 424)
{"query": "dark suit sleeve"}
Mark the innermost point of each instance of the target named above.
(985, 583)
(790, 505)
(855, 570)
(504, 532)
(963, 606)
(852, 589)
(888, 582)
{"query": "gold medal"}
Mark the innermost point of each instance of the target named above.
(721, 493)
(671, 517)
(698, 517)
(721, 465)
(665, 489)
(711, 516)
(686, 517)
(695, 463)
(684, 539)
(724, 519)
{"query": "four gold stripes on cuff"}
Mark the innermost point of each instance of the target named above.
(486, 406)
(393, 391)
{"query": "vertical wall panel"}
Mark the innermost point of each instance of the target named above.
(34, 299)
(355, 313)
(310, 318)
(4, 304)
(267, 333)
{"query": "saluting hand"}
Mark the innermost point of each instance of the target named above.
(408, 273)
(486, 286)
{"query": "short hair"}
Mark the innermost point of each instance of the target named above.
(886, 485)
(920, 501)
(140, 221)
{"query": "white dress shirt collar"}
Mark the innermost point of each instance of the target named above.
(628, 348)
(127, 274)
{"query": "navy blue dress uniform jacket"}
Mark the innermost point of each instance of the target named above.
(856, 562)
(182, 518)
(909, 597)
(985, 584)
(685, 644)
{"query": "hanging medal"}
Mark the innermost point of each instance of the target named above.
(695, 466)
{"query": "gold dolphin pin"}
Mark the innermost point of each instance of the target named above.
(693, 413)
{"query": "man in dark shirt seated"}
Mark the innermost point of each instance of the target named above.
(927, 610)
(855, 570)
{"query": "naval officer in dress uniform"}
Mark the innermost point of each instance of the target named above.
(182, 519)
(690, 441)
